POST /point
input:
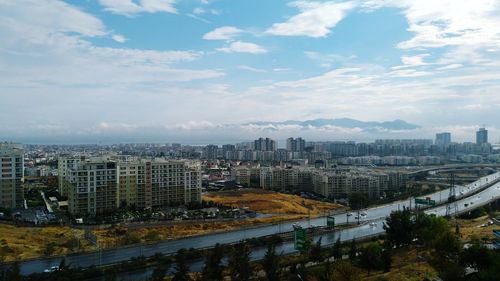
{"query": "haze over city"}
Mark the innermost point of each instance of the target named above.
(226, 71)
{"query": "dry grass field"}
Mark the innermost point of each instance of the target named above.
(472, 227)
(18, 243)
(281, 207)
(270, 202)
(407, 265)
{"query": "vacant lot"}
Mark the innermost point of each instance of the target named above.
(18, 243)
(472, 227)
(408, 264)
(269, 202)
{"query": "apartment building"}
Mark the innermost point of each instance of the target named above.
(11, 175)
(64, 163)
(91, 187)
(152, 184)
(96, 186)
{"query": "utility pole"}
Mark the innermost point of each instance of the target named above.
(452, 198)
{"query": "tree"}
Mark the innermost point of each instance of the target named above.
(358, 200)
(371, 256)
(270, 264)
(14, 273)
(345, 271)
(212, 271)
(337, 249)
(447, 246)
(399, 228)
(239, 262)
(387, 257)
(446, 254)
(181, 266)
(315, 251)
(428, 227)
(352, 249)
(476, 255)
(110, 275)
(160, 271)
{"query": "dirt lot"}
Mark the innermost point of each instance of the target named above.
(269, 202)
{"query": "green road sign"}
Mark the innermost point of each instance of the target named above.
(423, 201)
(300, 239)
(330, 221)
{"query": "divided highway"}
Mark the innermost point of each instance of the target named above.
(468, 199)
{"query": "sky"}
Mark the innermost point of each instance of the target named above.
(202, 71)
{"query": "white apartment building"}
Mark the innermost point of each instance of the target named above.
(11, 175)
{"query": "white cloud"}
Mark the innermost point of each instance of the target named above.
(44, 42)
(409, 73)
(314, 20)
(119, 38)
(130, 7)
(327, 60)
(414, 60)
(450, 66)
(437, 24)
(252, 69)
(223, 33)
(198, 11)
(243, 47)
(46, 19)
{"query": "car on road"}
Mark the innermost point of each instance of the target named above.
(349, 214)
(51, 269)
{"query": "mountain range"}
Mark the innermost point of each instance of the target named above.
(395, 125)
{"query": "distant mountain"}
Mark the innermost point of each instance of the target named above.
(395, 125)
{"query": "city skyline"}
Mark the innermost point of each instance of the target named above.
(212, 71)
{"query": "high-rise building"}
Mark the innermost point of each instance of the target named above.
(152, 184)
(11, 175)
(92, 187)
(99, 185)
(481, 136)
(443, 138)
(63, 164)
(210, 151)
(295, 145)
(266, 144)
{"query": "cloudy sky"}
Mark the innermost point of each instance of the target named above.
(194, 70)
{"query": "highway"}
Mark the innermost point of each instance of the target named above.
(375, 214)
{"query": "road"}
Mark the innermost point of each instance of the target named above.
(375, 214)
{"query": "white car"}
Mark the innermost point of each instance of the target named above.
(51, 269)
(349, 214)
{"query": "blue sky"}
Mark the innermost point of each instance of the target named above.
(202, 71)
